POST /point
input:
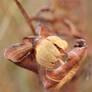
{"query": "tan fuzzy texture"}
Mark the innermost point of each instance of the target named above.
(47, 54)
(58, 41)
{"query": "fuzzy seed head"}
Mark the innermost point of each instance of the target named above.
(47, 54)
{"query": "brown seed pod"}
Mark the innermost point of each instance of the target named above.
(16, 52)
(47, 52)
(56, 78)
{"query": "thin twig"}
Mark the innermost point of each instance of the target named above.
(27, 18)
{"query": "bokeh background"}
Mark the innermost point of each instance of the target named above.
(12, 29)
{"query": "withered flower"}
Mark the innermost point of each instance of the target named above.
(43, 54)
(47, 51)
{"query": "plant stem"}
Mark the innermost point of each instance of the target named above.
(27, 18)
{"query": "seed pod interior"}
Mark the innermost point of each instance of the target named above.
(47, 54)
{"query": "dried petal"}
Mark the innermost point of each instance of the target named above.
(16, 52)
(43, 31)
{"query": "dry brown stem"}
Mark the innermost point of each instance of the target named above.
(24, 13)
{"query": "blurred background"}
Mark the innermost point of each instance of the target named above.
(13, 28)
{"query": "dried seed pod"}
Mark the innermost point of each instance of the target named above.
(47, 52)
(16, 52)
(56, 78)
(58, 42)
